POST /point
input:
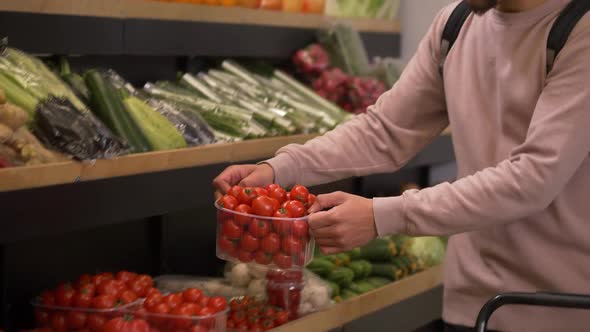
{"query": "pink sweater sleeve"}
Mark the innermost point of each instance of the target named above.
(402, 122)
(557, 143)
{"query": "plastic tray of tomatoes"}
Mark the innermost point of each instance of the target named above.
(91, 302)
(251, 314)
(267, 226)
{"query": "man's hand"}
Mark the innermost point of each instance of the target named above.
(244, 175)
(347, 225)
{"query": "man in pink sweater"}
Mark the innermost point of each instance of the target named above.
(519, 213)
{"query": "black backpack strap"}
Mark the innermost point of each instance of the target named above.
(562, 28)
(452, 30)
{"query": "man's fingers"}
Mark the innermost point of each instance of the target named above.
(320, 220)
(327, 232)
(218, 195)
(327, 201)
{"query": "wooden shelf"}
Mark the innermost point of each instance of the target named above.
(145, 9)
(357, 307)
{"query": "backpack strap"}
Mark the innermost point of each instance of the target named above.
(562, 28)
(452, 30)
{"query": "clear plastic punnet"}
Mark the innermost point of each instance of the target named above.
(264, 241)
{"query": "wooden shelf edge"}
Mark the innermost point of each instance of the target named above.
(340, 314)
(18, 178)
(146, 9)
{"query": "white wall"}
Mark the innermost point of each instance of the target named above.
(416, 17)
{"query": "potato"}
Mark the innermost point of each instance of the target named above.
(5, 133)
(2, 97)
(13, 116)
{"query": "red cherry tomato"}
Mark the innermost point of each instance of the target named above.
(192, 295)
(243, 326)
(204, 312)
(299, 193)
(59, 322)
(143, 283)
(184, 310)
(291, 245)
(125, 276)
(283, 261)
(247, 195)
(104, 302)
(275, 204)
(153, 300)
(152, 291)
(228, 202)
(76, 320)
(82, 300)
(299, 259)
(231, 230)
(279, 194)
(203, 301)
(227, 245)
(230, 324)
(270, 243)
(249, 242)
(259, 227)
(217, 303)
(311, 200)
(296, 208)
(268, 324)
(110, 287)
(126, 324)
(99, 278)
(64, 295)
(235, 191)
(84, 279)
(262, 258)
(87, 289)
(96, 322)
(283, 227)
(245, 209)
(238, 316)
(262, 206)
(172, 300)
(128, 296)
(282, 317)
(245, 256)
(160, 308)
(299, 228)
(261, 191)
(271, 187)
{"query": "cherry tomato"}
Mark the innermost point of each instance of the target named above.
(82, 300)
(160, 308)
(231, 230)
(262, 206)
(230, 324)
(261, 191)
(173, 300)
(64, 295)
(279, 194)
(288, 196)
(296, 208)
(282, 213)
(152, 291)
(283, 261)
(198, 328)
(281, 317)
(96, 322)
(249, 242)
(126, 324)
(126, 276)
(238, 304)
(204, 312)
(228, 202)
(153, 300)
(76, 320)
(192, 295)
(183, 310)
(227, 245)
(235, 191)
(217, 303)
(259, 227)
(299, 193)
(87, 289)
(252, 311)
(311, 200)
(47, 298)
(291, 245)
(275, 204)
(283, 227)
(238, 316)
(141, 284)
(299, 228)
(253, 322)
(299, 259)
(272, 187)
(59, 322)
(245, 256)
(110, 287)
(84, 279)
(128, 296)
(268, 311)
(246, 195)
(243, 326)
(243, 220)
(267, 324)
(104, 302)
(99, 278)
(203, 301)
(270, 243)
(284, 276)
(42, 318)
(194, 307)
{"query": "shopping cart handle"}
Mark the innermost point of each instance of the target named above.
(534, 299)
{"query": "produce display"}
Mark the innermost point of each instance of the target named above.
(377, 264)
(265, 225)
(378, 9)
(300, 6)
(91, 302)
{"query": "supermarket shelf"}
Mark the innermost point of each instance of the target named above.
(138, 27)
(363, 305)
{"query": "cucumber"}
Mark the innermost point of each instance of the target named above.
(361, 286)
(110, 109)
(402, 243)
(347, 293)
(355, 254)
(339, 259)
(378, 282)
(387, 270)
(379, 250)
(321, 266)
(335, 288)
(401, 266)
(368, 268)
(342, 276)
(360, 269)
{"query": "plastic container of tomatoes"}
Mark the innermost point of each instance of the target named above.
(283, 289)
(76, 319)
(270, 241)
(215, 322)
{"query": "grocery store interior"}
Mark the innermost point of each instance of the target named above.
(116, 116)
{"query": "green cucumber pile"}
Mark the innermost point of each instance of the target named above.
(376, 264)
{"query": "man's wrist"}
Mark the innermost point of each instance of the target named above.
(389, 215)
